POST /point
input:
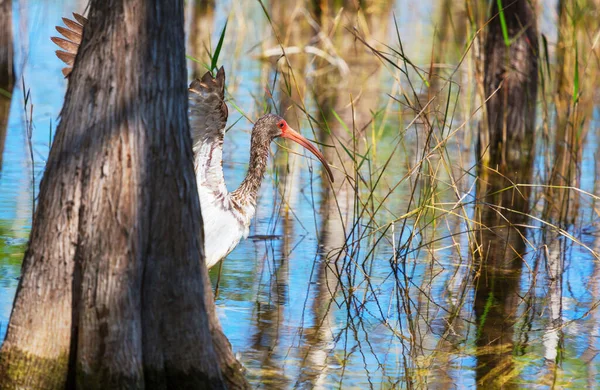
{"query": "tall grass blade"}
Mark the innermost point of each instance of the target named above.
(503, 23)
(215, 56)
(5, 93)
(265, 11)
(576, 76)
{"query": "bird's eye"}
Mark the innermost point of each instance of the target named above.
(281, 125)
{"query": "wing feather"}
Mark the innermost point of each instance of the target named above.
(69, 34)
(208, 117)
(80, 18)
(73, 25)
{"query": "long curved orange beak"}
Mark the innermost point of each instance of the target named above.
(292, 134)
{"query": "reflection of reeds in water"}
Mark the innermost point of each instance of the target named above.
(7, 76)
(341, 71)
(270, 311)
(574, 81)
(591, 323)
(346, 98)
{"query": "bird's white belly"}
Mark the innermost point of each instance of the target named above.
(222, 230)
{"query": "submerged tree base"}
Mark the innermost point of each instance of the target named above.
(22, 370)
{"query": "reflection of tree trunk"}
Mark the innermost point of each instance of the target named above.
(592, 322)
(114, 292)
(7, 74)
(201, 28)
(319, 337)
(353, 96)
(497, 296)
(553, 333)
(506, 143)
(270, 316)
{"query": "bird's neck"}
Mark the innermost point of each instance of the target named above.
(247, 193)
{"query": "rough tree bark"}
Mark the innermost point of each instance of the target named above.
(511, 75)
(7, 71)
(114, 291)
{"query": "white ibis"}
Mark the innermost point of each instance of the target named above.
(226, 215)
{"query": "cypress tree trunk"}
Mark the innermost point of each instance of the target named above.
(511, 75)
(114, 291)
(7, 71)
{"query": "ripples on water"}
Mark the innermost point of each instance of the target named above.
(290, 320)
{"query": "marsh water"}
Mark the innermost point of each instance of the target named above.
(371, 281)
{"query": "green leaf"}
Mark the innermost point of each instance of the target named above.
(344, 126)
(503, 23)
(189, 57)
(214, 58)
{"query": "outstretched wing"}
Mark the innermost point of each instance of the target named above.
(208, 116)
(72, 33)
(223, 227)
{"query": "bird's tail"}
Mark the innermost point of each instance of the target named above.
(70, 45)
(210, 84)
